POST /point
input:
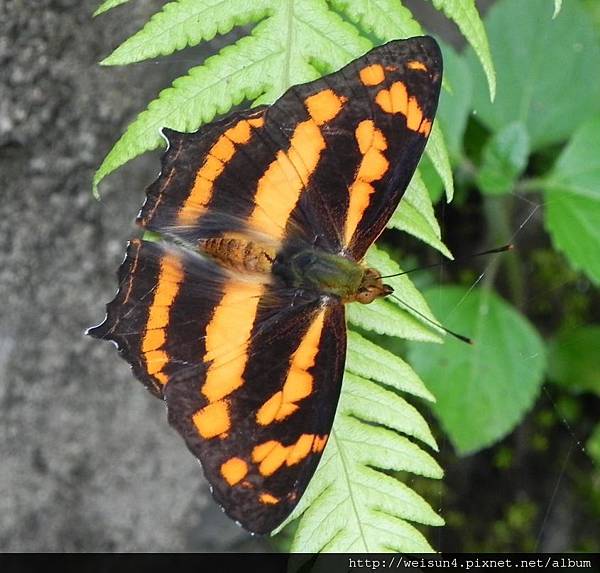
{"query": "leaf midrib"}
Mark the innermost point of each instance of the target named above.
(348, 485)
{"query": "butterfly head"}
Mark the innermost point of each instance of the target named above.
(371, 287)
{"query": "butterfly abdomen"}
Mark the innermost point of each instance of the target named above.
(240, 254)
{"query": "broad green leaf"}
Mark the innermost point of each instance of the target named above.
(466, 16)
(108, 5)
(482, 391)
(592, 445)
(415, 216)
(545, 69)
(455, 102)
(574, 360)
(573, 200)
(504, 159)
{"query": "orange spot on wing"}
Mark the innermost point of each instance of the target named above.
(319, 443)
(425, 128)
(273, 460)
(372, 75)
(223, 150)
(268, 498)
(260, 452)
(324, 106)
(416, 65)
(373, 167)
(227, 335)
(155, 361)
(257, 121)
(167, 286)
(153, 339)
(396, 100)
(399, 97)
(240, 133)
(213, 419)
(216, 158)
(267, 412)
(384, 100)
(234, 470)
(414, 116)
(300, 449)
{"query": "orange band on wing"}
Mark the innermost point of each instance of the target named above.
(227, 336)
(271, 455)
(170, 276)
(216, 158)
(299, 382)
(373, 167)
(279, 189)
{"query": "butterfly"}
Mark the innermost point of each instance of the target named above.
(235, 318)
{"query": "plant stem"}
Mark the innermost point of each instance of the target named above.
(498, 212)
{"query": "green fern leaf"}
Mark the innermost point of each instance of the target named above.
(186, 23)
(108, 5)
(464, 13)
(371, 361)
(415, 216)
(438, 153)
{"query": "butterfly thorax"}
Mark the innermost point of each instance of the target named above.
(326, 273)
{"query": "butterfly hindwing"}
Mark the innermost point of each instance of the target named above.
(250, 372)
(273, 428)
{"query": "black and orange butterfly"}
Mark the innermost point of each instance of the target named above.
(236, 318)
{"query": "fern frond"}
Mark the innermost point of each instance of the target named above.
(353, 504)
(415, 216)
(108, 5)
(184, 24)
(438, 153)
(464, 13)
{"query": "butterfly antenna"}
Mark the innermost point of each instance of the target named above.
(436, 324)
(501, 249)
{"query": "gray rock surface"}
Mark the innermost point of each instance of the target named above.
(88, 462)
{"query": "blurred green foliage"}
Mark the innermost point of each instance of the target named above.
(527, 169)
